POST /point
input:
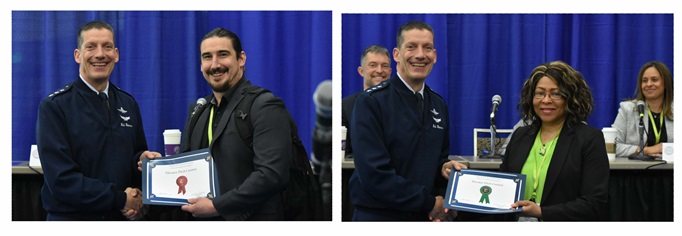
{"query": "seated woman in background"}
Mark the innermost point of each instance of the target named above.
(564, 159)
(655, 88)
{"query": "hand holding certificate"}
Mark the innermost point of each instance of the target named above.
(484, 191)
(173, 179)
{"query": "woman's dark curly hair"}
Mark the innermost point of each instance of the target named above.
(572, 87)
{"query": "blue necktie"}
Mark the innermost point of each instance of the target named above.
(420, 102)
(105, 103)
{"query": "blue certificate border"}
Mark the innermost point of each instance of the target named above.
(147, 188)
(452, 203)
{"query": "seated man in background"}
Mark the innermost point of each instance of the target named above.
(375, 67)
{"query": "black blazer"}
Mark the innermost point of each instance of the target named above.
(347, 105)
(250, 180)
(576, 186)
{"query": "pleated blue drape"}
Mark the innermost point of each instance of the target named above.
(288, 52)
(480, 55)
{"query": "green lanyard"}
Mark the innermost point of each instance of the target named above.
(537, 168)
(545, 154)
(210, 127)
(547, 151)
(657, 132)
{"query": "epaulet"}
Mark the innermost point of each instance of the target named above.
(119, 89)
(61, 91)
(378, 87)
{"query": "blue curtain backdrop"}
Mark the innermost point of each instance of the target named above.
(480, 55)
(288, 52)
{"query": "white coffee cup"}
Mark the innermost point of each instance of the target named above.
(171, 140)
(34, 160)
(610, 141)
(344, 131)
(668, 152)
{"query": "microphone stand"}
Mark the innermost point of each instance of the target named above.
(322, 161)
(640, 155)
(493, 133)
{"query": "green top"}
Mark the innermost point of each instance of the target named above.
(536, 166)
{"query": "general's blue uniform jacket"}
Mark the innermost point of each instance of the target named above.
(398, 151)
(88, 157)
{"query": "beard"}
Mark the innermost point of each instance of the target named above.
(220, 87)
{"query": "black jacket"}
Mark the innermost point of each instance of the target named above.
(346, 110)
(250, 180)
(576, 186)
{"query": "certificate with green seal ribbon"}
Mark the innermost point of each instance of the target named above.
(484, 191)
(171, 180)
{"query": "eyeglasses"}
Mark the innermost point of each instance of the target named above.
(553, 96)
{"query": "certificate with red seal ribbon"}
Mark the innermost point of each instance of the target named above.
(171, 180)
(486, 192)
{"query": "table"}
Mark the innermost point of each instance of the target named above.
(475, 162)
(619, 163)
(638, 190)
(26, 198)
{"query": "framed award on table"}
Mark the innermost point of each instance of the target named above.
(171, 180)
(485, 192)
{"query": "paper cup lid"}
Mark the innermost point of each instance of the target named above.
(171, 131)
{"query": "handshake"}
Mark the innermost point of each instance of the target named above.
(134, 209)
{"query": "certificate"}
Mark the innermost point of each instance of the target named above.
(171, 180)
(484, 191)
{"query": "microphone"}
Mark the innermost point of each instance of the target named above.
(323, 104)
(493, 132)
(322, 140)
(640, 108)
(322, 134)
(640, 155)
(200, 102)
(496, 102)
(189, 126)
